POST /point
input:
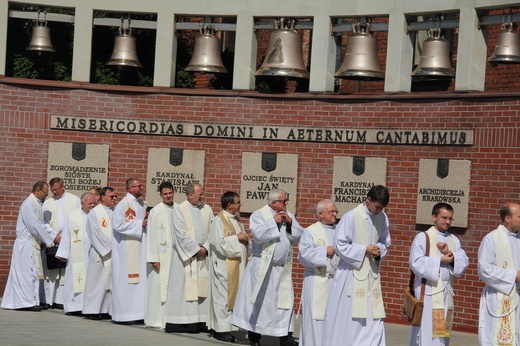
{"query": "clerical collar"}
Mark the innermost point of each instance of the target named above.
(512, 234)
(199, 206)
(168, 205)
(228, 214)
(368, 211)
(333, 226)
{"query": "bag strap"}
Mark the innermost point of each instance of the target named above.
(412, 275)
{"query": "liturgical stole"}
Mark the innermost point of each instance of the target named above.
(232, 264)
(505, 321)
(163, 224)
(132, 245)
(35, 240)
(320, 292)
(366, 279)
(197, 281)
(77, 232)
(105, 226)
(442, 320)
(285, 288)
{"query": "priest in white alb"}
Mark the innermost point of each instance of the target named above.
(22, 290)
(129, 255)
(228, 257)
(56, 211)
(316, 254)
(499, 269)
(265, 299)
(355, 312)
(97, 295)
(158, 256)
(445, 261)
(73, 249)
(187, 304)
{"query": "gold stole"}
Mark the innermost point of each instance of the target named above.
(105, 226)
(35, 239)
(320, 292)
(163, 236)
(76, 229)
(196, 281)
(442, 320)
(232, 264)
(132, 246)
(505, 330)
(367, 276)
(285, 288)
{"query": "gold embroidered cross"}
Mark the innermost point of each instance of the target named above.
(79, 279)
(376, 293)
(360, 292)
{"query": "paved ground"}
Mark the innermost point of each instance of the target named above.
(53, 327)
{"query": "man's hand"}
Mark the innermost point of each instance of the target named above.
(373, 251)
(518, 275)
(202, 252)
(145, 223)
(243, 238)
(448, 258)
(57, 239)
(443, 248)
(330, 251)
(282, 216)
(156, 265)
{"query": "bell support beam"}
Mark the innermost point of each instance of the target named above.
(323, 56)
(166, 52)
(471, 53)
(399, 57)
(245, 62)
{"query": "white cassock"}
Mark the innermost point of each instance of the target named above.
(428, 267)
(264, 316)
(74, 239)
(98, 280)
(179, 310)
(159, 249)
(128, 289)
(55, 214)
(340, 327)
(498, 279)
(224, 246)
(313, 254)
(23, 285)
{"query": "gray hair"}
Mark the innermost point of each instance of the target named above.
(275, 194)
(85, 194)
(322, 205)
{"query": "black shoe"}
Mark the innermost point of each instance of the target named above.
(288, 340)
(106, 317)
(44, 306)
(226, 336)
(74, 313)
(32, 308)
(254, 343)
(57, 306)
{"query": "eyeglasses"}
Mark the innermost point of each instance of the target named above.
(137, 186)
(285, 201)
(237, 203)
(112, 197)
(445, 218)
(332, 212)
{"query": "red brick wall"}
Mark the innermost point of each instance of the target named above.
(25, 118)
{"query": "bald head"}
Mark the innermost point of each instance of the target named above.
(510, 215)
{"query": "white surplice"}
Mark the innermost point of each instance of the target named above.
(340, 327)
(159, 249)
(97, 297)
(128, 298)
(55, 214)
(264, 316)
(73, 301)
(311, 256)
(497, 279)
(223, 247)
(178, 310)
(23, 285)
(428, 267)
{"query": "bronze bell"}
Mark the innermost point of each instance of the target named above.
(507, 49)
(360, 60)
(206, 54)
(284, 53)
(435, 57)
(124, 53)
(41, 37)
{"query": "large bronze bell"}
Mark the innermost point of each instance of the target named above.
(507, 50)
(206, 54)
(41, 37)
(284, 52)
(360, 60)
(435, 57)
(124, 53)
